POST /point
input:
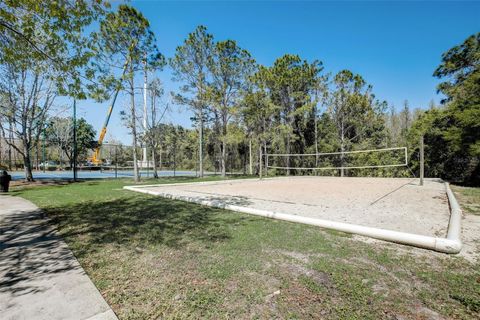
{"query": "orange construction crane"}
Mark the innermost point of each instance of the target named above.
(95, 159)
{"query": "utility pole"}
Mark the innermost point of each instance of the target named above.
(422, 161)
(145, 159)
(75, 140)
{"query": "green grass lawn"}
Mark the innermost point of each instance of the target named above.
(469, 199)
(156, 258)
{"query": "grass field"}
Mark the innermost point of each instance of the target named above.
(156, 258)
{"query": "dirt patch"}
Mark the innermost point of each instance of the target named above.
(320, 278)
(305, 258)
(297, 267)
(423, 312)
(36, 183)
(301, 301)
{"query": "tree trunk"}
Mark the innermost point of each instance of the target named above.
(223, 163)
(160, 160)
(250, 167)
(154, 160)
(200, 147)
(244, 164)
(145, 88)
(316, 140)
(265, 156)
(27, 163)
(288, 154)
(224, 153)
(37, 156)
(317, 158)
(134, 129)
(260, 165)
(10, 138)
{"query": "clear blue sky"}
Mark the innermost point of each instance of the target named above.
(395, 46)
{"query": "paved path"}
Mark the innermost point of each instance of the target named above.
(39, 276)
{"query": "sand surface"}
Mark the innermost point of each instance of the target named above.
(389, 203)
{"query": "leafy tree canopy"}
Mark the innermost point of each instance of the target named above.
(452, 133)
(49, 36)
(59, 131)
(124, 39)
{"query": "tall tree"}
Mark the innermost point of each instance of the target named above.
(320, 99)
(291, 82)
(43, 52)
(27, 95)
(59, 132)
(406, 119)
(154, 134)
(351, 109)
(51, 33)
(257, 112)
(125, 39)
(452, 132)
(230, 67)
(191, 67)
(461, 67)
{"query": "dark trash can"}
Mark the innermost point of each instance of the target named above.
(5, 179)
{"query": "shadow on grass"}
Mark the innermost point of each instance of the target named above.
(30, 252)
(142, 221)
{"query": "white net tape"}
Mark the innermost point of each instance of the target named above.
(359, 159)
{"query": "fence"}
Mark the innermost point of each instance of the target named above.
(49, 160)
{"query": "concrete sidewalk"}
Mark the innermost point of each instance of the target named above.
(39, 276)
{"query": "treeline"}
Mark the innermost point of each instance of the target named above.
(452, 132)
(242, 110)
(294, 107)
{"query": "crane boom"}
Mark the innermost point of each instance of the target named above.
(95, 159)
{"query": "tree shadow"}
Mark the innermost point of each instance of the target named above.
(31, 249)
(140, 220)
(30, 252)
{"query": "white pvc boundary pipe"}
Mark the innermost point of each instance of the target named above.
(450, 244)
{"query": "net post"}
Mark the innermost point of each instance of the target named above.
(422, 161)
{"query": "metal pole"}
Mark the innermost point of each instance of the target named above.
(74, 140)
(422, 161)
(116, 162)
(43, 149)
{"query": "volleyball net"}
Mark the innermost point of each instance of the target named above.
(347, 160)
